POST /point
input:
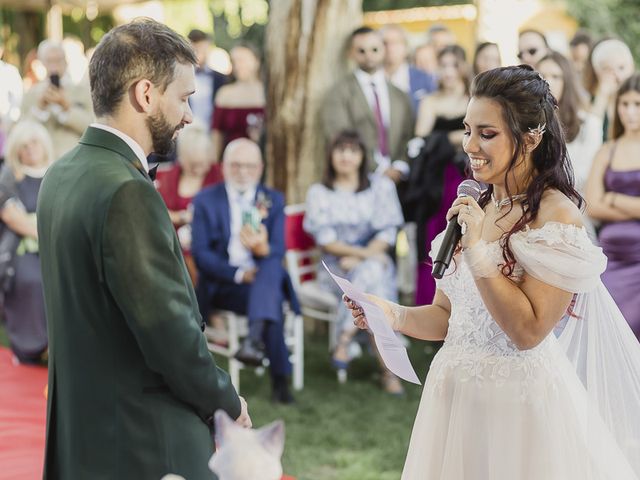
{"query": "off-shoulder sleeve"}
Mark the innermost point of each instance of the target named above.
(318, 221)
(561, 255)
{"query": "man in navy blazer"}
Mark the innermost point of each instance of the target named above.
(238, 246)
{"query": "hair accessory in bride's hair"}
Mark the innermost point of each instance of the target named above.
(539, 130)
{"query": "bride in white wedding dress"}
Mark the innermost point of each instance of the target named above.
(505, 398)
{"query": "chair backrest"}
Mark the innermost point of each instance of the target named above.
(302, 254)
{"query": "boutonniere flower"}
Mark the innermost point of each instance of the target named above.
(263, 204)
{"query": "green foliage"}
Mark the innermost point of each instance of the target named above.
(234, 20)
(375, 5)
(618, 18)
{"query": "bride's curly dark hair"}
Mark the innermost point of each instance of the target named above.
(527, 102)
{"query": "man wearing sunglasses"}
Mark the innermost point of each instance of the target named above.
(532, 46)
(365, 101)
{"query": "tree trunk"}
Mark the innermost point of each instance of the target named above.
(305, 45)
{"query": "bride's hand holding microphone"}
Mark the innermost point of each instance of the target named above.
(470, 219)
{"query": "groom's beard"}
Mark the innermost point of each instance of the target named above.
(162, 133)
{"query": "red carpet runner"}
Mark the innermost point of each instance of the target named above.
(23, 410)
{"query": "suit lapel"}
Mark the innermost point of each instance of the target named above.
(107, 140)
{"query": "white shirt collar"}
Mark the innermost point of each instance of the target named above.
(133, 145)
(376, 77)
(233, 194)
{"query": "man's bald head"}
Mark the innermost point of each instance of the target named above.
(242, 164)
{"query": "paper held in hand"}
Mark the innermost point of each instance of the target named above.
(391, 349)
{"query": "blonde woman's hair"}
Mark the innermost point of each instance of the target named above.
(21, 133)
(193, 137)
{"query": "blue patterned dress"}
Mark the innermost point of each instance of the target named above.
(356, 218)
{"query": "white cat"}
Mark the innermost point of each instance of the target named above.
(244, 454)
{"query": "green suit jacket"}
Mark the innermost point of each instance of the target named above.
(131, 382)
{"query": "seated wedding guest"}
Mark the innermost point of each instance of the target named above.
(354, 219)
(532, 46)
(613, 197)
(439, 167)
(582, 129)
(64, 108)
(611, 64)
(486, 57)
(178, 185)
(239, 105)
(29, 154)
(238, 246)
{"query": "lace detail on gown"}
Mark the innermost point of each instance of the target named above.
(475, 346)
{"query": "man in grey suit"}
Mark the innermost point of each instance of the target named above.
(132, 386)
(365, 101)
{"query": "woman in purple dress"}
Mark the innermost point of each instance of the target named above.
(613, 196)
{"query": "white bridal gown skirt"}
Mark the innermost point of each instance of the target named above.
(486, 416)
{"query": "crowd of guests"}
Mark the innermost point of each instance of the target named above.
(393, 128)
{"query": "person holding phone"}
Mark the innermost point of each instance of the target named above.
(238, 246)
(64, 108)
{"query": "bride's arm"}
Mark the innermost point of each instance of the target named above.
(426, 322)
(527, 311)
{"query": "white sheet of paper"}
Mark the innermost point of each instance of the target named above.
(391, 349)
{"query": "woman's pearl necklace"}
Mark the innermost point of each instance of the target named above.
(507, 201)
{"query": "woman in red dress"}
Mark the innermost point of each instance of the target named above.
(239, 106)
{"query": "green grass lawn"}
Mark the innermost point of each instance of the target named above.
(338, 432)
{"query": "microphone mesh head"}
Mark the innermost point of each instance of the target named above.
(469, 188)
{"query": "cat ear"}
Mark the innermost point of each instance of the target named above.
(272, 437)
(223, 422)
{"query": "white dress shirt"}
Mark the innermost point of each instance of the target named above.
(239, 255)
(133, 145)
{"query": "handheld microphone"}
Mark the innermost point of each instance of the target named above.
(468, 188)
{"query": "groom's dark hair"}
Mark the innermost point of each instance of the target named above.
(142, 49)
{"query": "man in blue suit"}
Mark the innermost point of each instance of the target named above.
(414, 82)
(238, 245)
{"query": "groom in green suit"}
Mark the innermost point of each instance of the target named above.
(132, 386)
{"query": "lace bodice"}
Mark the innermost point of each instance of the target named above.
(470, 325)
(475, 344)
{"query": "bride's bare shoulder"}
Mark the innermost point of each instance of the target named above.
(557, 207)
